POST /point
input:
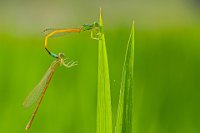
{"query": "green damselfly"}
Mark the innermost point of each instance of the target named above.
(51, 32)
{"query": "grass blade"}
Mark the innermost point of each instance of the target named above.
(104, 113)
(125, 105)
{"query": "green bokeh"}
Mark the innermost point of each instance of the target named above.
(167, 62)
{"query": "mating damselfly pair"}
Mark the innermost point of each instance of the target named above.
(37, 94)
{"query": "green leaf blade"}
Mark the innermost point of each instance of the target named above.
(104, 112)
(125, 105)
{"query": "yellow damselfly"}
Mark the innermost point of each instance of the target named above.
(37, 94)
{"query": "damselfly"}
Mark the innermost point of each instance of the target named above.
(94, 28)
(37, 94)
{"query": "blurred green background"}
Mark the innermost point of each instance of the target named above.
(167, 64)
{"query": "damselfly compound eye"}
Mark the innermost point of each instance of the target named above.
(61, 55)
(96, 24)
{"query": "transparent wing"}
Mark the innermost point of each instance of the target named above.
(50, 30)
(37, 91)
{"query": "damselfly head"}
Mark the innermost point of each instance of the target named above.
(95, 24)
(61, 55)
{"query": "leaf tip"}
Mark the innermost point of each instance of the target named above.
(100, 18)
